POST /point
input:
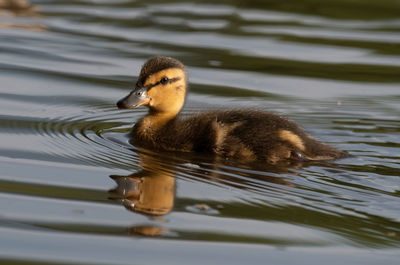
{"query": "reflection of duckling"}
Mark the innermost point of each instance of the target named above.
(149, 191)
(145, 192)
(240, 134)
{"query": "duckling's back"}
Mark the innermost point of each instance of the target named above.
(239, 134)
(255, 135)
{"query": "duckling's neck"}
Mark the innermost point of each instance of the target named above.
(154, 120)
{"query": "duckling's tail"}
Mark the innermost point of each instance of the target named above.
(308, 148)
(317, 151)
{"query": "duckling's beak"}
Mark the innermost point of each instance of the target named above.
(136, 98)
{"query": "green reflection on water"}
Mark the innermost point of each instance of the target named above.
(340, 9)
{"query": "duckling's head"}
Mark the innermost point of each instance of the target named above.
(161, 86)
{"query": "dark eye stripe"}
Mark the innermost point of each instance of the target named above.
(172, 80)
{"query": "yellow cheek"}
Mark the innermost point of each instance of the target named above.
(153, 92)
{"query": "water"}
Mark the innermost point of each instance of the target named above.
(73, 190)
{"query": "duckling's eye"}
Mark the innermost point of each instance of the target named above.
(164, 80)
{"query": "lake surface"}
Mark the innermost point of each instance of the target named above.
(74, 191)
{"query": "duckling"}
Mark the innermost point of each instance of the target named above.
(18, 7)
(246, 135)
